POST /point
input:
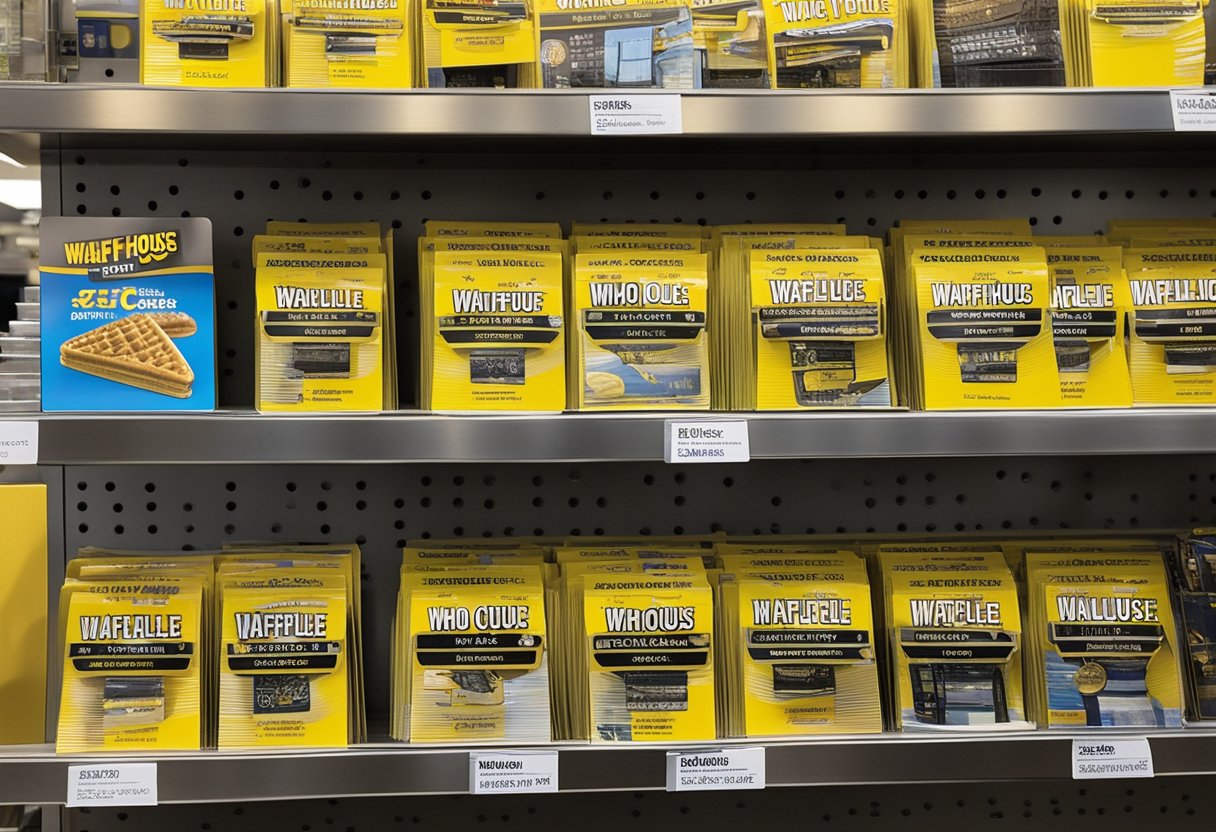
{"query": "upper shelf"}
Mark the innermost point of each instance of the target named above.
(237, 437)
(121, 109)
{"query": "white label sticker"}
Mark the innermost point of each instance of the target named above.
(634, 115)
(719, 768)
(706, 440)
(512, 772)
(1194, 110)
(1103, 758)
(112, 784)
(18, 443)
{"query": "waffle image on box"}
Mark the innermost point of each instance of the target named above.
(128, 311)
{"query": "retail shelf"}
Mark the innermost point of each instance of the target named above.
(119, 109)
(237, 437)
(39, 776)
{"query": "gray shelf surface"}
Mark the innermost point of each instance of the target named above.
(38, 776)
(87, 108)
(245, 437)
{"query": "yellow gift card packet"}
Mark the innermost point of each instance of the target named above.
(477, 648)
(283, 659)
(1157, 44)
(363, 44)
(1105, 651)
(731, 37)
(478, 43)
(1172, 334)
(493, 322)
(832, 43)
(206, 43)
(132, 665)
(1089, 306)
(650, 667)
(983, 328)
(320, 332)
(642, 342)
(819, 329)
(956, 640)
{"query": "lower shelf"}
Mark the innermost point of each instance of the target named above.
(36, 775)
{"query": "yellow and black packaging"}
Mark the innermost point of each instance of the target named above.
(478, 43)
(819, 321)
(730, 36)
(642, 342)
(837, 43)
(1089, 306)
(205, 43)
(363, 44)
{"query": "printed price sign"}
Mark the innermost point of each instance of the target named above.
(706, 440)
(1104, 758)
(705, 771)
(635, 115)
(1193, 110)
(512, 772)
(112, 784)
(18, 443)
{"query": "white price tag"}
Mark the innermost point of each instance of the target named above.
(112, 784)
(706, 440)
(512, 772)
(1194, 110)
(1105, 758)
(719, 768)
(635, 115)
(18, 443)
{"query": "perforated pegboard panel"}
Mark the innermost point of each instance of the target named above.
(241, 190)
(1173, 803)
(380, 507)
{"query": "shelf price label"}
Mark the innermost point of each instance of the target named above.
(512, 772)
(112, 784)
(1193, 110)
(635, 115)
(716, 769)
(1107, 758)
(706, 440)
(18, 443)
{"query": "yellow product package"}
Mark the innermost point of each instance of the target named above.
(496, 332)
(1089, 306)
(319, 332)
(956, 637)
(730, 35)
(205, 43)
(983, 329)
(23, 583)
(642, 342)
(283, 660)
(819, 329)
(637, 44)
(650, 657)
(1105, 651)
(1155, 44)
(813, 43)
(478, 646)
(131, 666)
(349, 43)
(805, 639)
(478, 43)
(1172, 334)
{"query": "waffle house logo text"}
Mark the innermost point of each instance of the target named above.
(800, 10)
(112, 256)
(485, 618)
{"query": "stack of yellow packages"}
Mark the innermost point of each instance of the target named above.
(819, 331)
(1171, 274)
(471, 645)
(138, 649)
(325, 339)
(492, 304)
(1103, 642)
(478, 43)
(640, 304)
(224, 43)
(348, 43)
(1125, 43)
(851, 45)
(955, 638)
(795, 643)
(972, 301)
